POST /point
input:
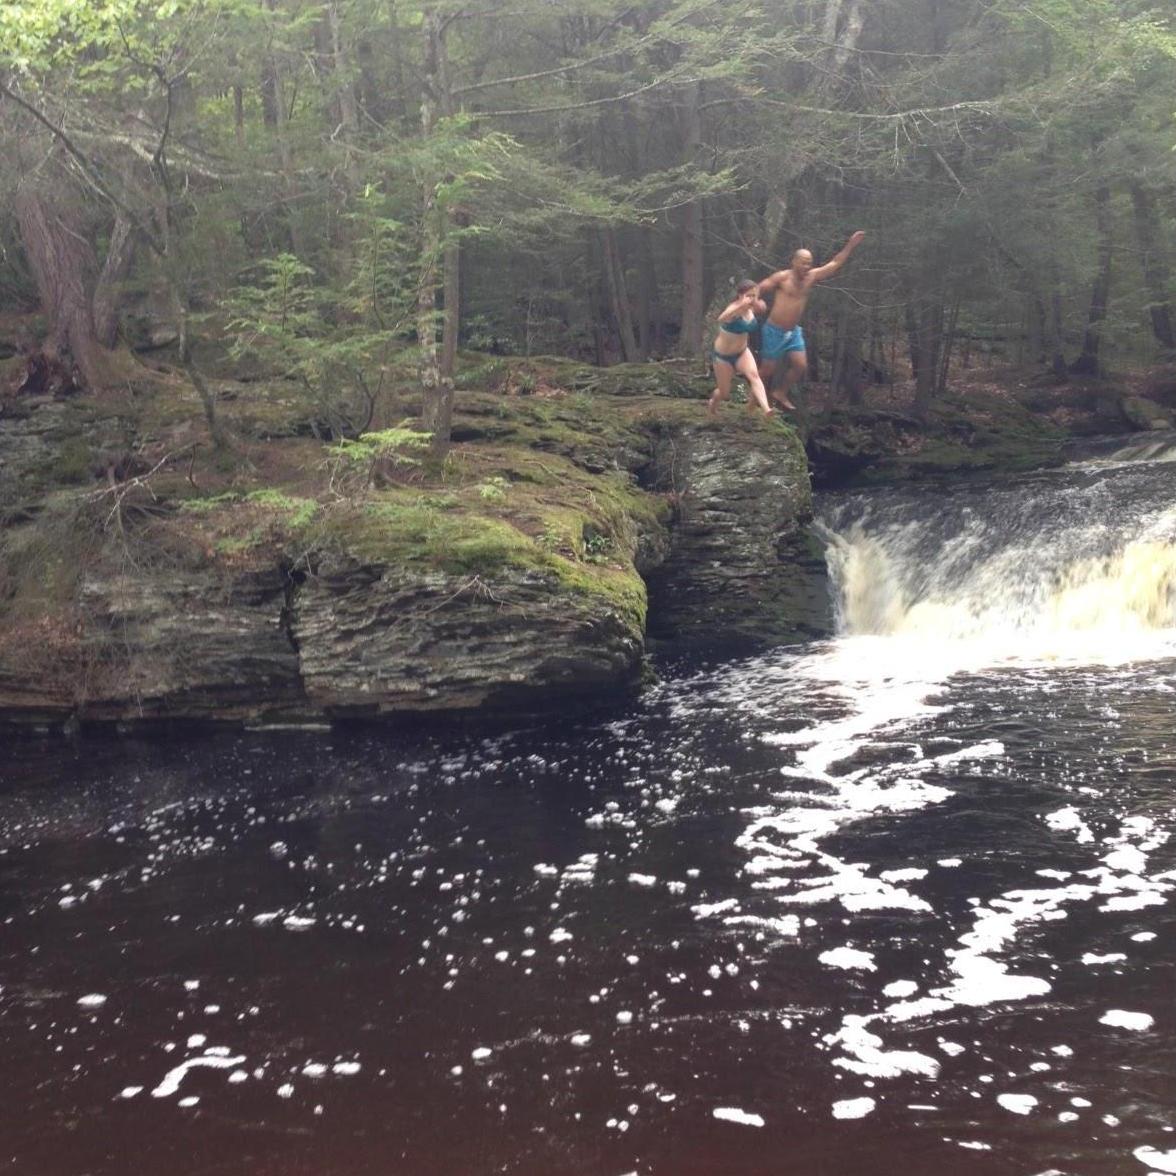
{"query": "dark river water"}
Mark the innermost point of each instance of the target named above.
(897, 903)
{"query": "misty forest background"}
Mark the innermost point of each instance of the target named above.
(351, 190)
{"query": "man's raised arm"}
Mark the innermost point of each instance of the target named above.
(821, 272)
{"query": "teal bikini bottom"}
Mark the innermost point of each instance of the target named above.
(719, 357)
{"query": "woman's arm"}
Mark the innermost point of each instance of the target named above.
(739, 307)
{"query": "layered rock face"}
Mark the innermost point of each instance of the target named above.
(513, 595)
(742, 562)
(381, 641)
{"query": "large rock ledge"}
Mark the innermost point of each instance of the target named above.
(515, 584)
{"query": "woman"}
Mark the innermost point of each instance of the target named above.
(730, 352)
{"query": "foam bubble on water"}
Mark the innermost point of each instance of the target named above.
(196, 1040)
(1090, 958)
(559, 935)
(735, 1115)
(1066, 820)
(581, 1039)
(1018, 1104)
(92, 1000)
(481, 1053)
(544, 870)
(866, 1055)
(1068, 1116)
(130, 1091)
(173, 1078)
(1160, 1161)
(298, 922)
(900, 988)
(787, 926)
(643, 879)
(706, 909)
(853, 1108)
(314, 1069)
(286, 1090)
(910, 874)
(849, 959)
(345, 1069)
(950, 863)
(188, 1100)
(1143, 936)
(974, 1145)
(1122, 1019)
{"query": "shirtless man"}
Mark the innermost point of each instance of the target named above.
(781, 335)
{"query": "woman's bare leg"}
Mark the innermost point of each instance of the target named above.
(757, 396)
(724, 373)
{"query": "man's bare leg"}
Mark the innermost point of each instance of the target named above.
(794, 372)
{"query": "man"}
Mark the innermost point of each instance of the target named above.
(781, 335)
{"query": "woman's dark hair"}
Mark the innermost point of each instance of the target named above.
(743, 286)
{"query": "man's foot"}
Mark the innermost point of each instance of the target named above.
(784, 402)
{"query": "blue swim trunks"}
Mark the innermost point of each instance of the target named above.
(775, 341)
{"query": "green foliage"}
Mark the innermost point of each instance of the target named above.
(358, 464)
(333, 336)
(493, 489)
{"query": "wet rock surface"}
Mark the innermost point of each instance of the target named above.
(434, 605)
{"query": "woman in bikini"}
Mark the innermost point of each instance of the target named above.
(730, 352)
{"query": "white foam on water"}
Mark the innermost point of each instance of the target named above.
(1018, 1104)
(900, 988)
(848, 958)
(853, 1108)
(1160, 1161)
(1122, 1019)
(735, 1115)
(173, 1078)
(1114, 957)
(92, 1000)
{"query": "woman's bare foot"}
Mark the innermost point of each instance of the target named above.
(784, 402)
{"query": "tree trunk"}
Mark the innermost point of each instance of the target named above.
(348, 108)
(115, 268)
(693, 294)
(451, 316)
(925, 331)
(275, 87)
(63, 264)
(618, 295)
(1089, 362)
(436, 387)
(1155, 265)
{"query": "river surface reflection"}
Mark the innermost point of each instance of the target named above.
(774, 918)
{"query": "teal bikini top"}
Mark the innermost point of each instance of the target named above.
(740, 326)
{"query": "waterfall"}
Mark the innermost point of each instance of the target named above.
(1079, 562)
